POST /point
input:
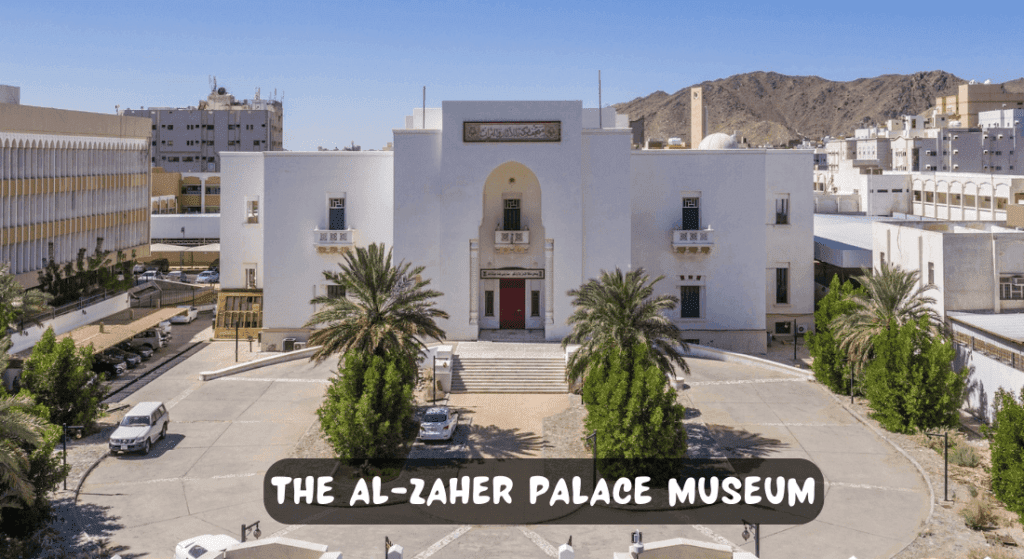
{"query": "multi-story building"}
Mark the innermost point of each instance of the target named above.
(966, 196)
(509, 205)
(190, 139)
(973, 98)
(70, 180)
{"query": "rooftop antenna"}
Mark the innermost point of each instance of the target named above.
(424, 107)
(209, 78)
(600, 115)
(215, 83)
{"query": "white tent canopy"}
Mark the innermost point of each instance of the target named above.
(162, 247)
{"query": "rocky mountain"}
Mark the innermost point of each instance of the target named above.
(766, 107)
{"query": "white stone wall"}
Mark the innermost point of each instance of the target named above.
(197, 226)
(240, 242)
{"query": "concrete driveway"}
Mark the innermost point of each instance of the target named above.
(206, 477)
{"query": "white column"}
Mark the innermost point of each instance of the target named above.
(474, 279)
(549, 280)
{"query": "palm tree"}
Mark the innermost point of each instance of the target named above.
(16, 303)
(17, 427)
(385, 309)
(620, 310)
(891, 295)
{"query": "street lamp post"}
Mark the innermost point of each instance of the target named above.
(594, 463)
(181, 253)
(945, 459)
(66, 427)
(756, 529)
(255, 532)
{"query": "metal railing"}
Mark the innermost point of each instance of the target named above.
(332, 236)
(54, 312)
(511, 237)
(695, 237)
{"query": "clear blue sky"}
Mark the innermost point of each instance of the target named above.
(350, 71)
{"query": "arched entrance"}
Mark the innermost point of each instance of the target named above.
(511, 263)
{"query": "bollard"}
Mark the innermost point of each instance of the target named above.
(395, 552)
(565, 551)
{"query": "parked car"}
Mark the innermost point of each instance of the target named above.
(190, 314)
(153, 339)
(150, 275)
(438, 424)
(109, 366)
(143, 425)
(138, 269)
(178, 275)
(209, 276)
(145, 352)
(196, 547)
(165, 328)
(131, 359)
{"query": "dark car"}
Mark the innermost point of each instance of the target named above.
(131, 359)
(144, 352)
(108, 366)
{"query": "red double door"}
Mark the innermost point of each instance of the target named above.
(512, 311)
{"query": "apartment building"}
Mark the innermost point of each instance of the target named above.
(190, 139)
(70, 180)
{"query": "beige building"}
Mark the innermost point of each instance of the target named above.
(70, 180)
(972, 98)
(190, 193)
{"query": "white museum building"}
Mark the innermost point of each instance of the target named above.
(509, 205)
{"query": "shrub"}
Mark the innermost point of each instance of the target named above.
(368, 405)
(830, 364)
(631, 406)
(61, 378)
(911, 383)
(964, 455)
(978, 514)
(1008, 452)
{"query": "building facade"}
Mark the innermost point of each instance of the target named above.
(509, 205)
(190, 139)
(70, 180)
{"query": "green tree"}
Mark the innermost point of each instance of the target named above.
(368, 405)
(18, 428)
(61, 378)
(622, 310)
(27, 513)
(386, 309)
(911, 383)
(17, 304)
(891, 295)
(1008, 451)
(632, 408)
(830, 364)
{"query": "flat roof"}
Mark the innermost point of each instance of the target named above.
(844, 240)
(1005, 325)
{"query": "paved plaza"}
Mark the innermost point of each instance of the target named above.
(206, 476)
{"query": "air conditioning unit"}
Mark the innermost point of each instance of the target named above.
(300, 345)
(801, 329)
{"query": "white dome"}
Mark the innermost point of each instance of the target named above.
(718, 140)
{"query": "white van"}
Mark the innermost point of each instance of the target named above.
(145, 424)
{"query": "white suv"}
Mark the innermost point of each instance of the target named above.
(145, 424)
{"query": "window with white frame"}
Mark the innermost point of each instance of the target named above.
(252, 210)
(691, 296)
(336, 213)
(691, 213)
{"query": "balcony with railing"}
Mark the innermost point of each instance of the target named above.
(693, 241)
(333, 240)
(508, 238)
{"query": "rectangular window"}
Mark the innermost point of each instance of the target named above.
(488, 303)
(512, 215)
(783, 327)
(336, 214)
(931, 273)
(782, 211)
(250, 278)
(691, 214)
(881, 258)
(335, 291)
(782, 286)
(689, 301)
(535, 303)
(256, 143)
(252, 211)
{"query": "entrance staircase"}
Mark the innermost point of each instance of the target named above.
(509, 368)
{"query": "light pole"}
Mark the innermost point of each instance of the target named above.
(756, 529)
(181, 253)
(255, 532)
(594, 463)
(945, 459)
(66, 427)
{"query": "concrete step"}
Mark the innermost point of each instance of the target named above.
(509, 375)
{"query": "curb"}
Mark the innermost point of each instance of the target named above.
(257, 363)
(81, 481)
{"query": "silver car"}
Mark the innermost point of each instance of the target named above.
(438, 424)
(145, 424)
